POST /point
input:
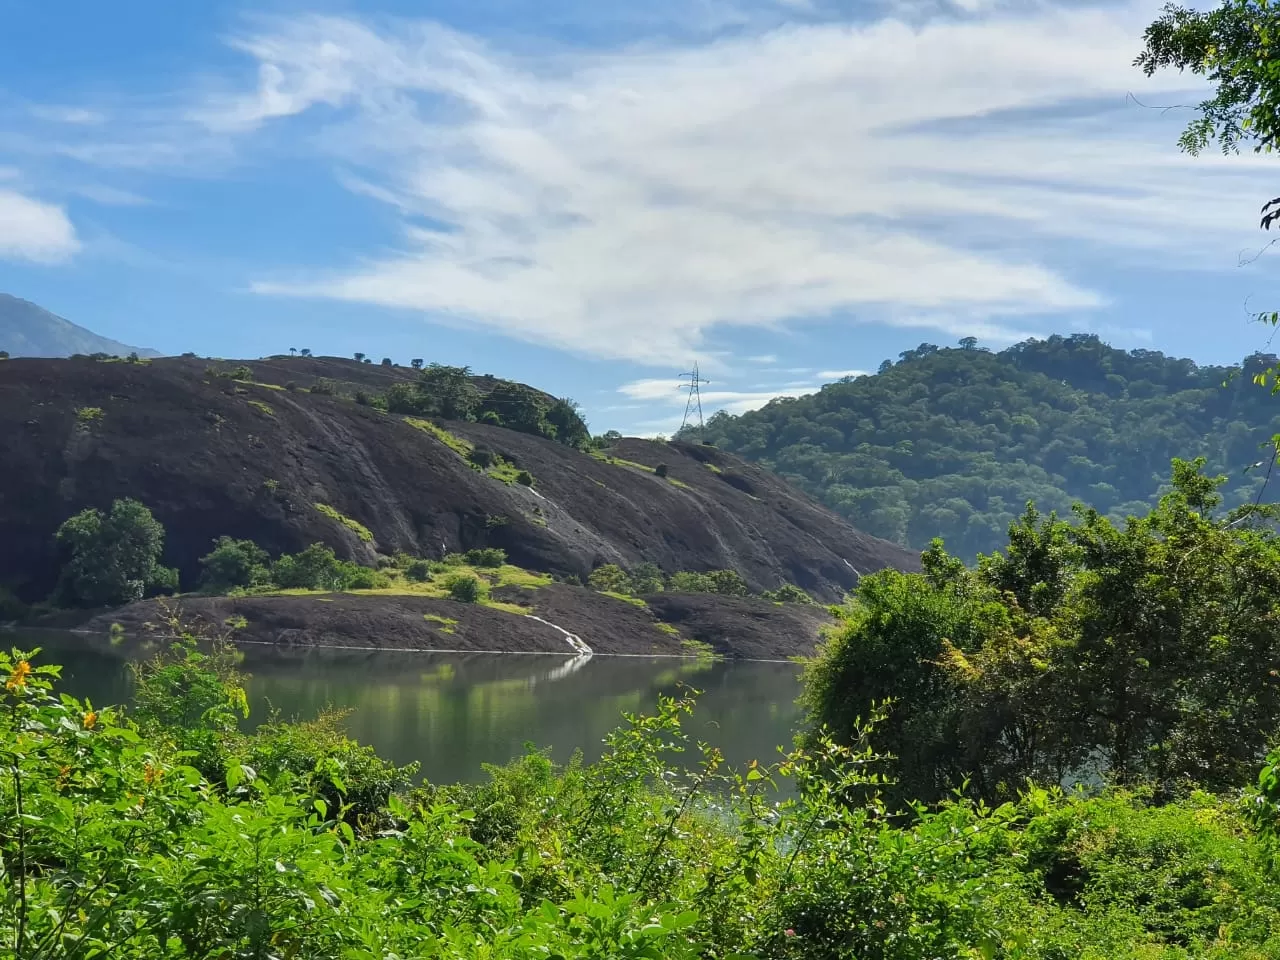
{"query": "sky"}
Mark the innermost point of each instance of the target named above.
(592, 197)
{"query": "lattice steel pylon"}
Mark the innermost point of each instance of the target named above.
(695, 397)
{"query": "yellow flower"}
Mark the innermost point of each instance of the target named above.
(90, 719)
(18, 676)
(151, 775)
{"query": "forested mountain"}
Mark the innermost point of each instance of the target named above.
(952, 442)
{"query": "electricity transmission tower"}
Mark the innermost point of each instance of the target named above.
(695, 398)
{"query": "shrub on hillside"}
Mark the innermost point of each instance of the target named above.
(482, 457)
(325, 387)
(525, 478)
(466, 588)
(609, 578)
(486, 557)
(418, 570)
(234, 563)
(662, 470)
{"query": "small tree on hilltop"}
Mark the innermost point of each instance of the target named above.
(113, 558)
(416, 363)
(359, 357)
(386, 361)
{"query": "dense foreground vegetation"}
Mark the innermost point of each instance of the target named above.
(162, 831)
(1146, 650)
(952, 443)
(922, 817)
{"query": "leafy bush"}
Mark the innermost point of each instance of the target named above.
(325, 387)
(234, 563)
(661, 470)
(1081, 647)
(482, 457)
(611, 578)
(291, 386)
(172, 833)
(647, 578)
(418, 571)
(524, 478)
(315, 568)
(466, 588)
(112, 558)
(485, 557)
(787, 593)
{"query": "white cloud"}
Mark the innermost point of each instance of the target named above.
(75, 116)
(828, 375)
(629, 204)
(643, 202)
(33, 230)
(764, 359)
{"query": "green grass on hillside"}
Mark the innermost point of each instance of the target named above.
(355, 526)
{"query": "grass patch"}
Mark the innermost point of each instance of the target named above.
(458, 445)
(667, 628)
(679, 483)
(358, 528)
(703, 651)
(713, 468)
(619, 462)
(505, 607)
(634, 601)
(446, 624)
(261, 407)
(87, 415)
(512, 576)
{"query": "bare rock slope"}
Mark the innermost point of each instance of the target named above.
(212, 456)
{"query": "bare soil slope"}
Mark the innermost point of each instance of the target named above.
(212, 456)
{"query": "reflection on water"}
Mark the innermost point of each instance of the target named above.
(454, 712)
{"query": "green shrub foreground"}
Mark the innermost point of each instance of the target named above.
(162, 831)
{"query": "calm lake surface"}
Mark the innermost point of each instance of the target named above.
(454, 712)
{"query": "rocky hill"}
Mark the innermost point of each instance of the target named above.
(262, 458)
(29, 330)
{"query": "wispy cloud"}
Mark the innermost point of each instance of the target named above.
(827, 375)
(33, 230)
(921, 169)
(629, 204)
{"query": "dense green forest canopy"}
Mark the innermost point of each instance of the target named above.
(953, 442)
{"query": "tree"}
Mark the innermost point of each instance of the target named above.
(234, 563)
(293, 351)
(416, 363)
(359, 357)
(448, 392)
(968, 343)
(112, 558)
(305, 351)
(315, 568)
(1234, 48)
(609, 578)
(565, 418)
(1148, 649)
(386, 361)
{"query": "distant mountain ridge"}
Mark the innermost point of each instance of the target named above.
(29, 330)
(952, 442)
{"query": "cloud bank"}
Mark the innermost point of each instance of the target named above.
(34, 231)
(962, 171)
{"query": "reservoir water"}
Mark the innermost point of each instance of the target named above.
(455, 712)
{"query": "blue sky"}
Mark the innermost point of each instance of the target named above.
(589, 197)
